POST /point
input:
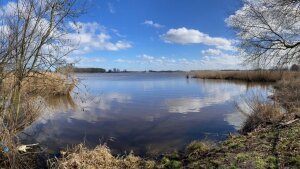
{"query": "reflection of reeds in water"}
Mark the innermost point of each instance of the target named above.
(61, 103)
(250, 76)
(247, 84)
(35, 87)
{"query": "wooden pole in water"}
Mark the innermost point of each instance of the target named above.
(187, 75)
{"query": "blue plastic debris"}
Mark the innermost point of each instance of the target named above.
(5, 149)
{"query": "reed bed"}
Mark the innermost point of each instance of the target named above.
(50, 84)
(43, 84)
(249, 76)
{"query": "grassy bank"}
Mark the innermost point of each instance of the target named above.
(250, 76)
(265, 148)
(269, 147)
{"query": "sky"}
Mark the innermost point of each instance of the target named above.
(156, 35)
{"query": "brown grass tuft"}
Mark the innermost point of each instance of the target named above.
(196, 149)
(100, 157)
(261, 115)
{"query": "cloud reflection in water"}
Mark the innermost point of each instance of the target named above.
(145, 113)
(214, 94)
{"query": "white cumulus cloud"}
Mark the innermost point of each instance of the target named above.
(217, 59)
(193, 36)
(92, 36)
(211, 59)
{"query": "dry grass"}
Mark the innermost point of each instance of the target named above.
(10, 126)
(30, 109)
(49, 83)
(197, 148)
(44, 84)
(14, 159)
(100, 157)
(250, 76)
(267, 148)
(11, 123)
(261, 114)
(287, 93)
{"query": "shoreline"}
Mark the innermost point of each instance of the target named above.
(248, 76)
(237, 151)
(262, 148)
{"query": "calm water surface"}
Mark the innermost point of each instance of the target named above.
(148, 113)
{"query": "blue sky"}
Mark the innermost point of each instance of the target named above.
(156, 35)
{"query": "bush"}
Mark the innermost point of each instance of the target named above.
(261, 114)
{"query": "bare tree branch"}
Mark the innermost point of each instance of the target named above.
(268, 31)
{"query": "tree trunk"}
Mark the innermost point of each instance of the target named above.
(17, 98)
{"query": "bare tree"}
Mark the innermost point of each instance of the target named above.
(32, 37)
(268, 32)
(33, 40)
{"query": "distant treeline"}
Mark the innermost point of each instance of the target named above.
(166, 71)
(89, 70)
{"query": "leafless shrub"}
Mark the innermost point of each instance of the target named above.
(260, 115)
(10, 125)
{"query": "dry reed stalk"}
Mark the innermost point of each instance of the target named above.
(261, 114)
(11, 124)
(100, 157)
(43, 84)
(287, 93)
(251, 76)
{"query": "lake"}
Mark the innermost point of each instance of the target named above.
(148, 113)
